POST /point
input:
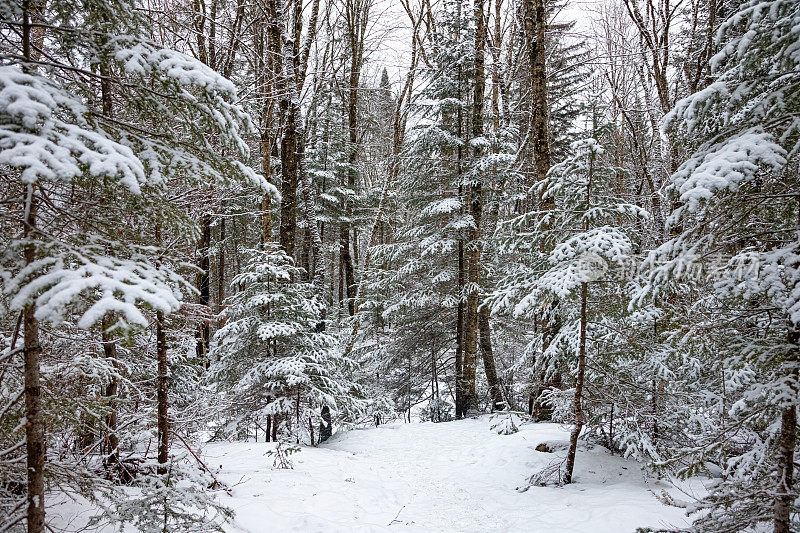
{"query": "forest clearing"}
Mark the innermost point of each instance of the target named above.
(415, 477)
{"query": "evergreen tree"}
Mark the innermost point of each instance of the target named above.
(274, 363)
(90, 172)
(741, 133)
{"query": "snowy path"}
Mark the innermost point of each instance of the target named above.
(456, 476)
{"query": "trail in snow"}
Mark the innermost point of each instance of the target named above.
(455, 476)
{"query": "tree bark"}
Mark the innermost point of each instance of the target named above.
(111, 390)
(787, 442)
(346, 260)
(221, 266)
(489, 366)
(577, 406)
(325, 426)
(269, 50)
(204, 286)
(476, 209)
(162, 394)
(109, 346)
(460, 334)
(356, 16)
(289, 156)
(535, 26)
(535, 22)
(35, 443)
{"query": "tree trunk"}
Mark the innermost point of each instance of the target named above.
(577, 406)
(346, 261)
(356, 16)
(289, 156)
(35, 443)
(221, 266)
(786, 445)
(460, 335)
(204, 286)
(476, 209)
(484, 315)
(112, 440)
(109, 346)
(325, 426)
(535, 26)
(488, 359)
(162, 398)
(270, 51)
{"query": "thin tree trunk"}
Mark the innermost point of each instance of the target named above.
(111, 390)
(398, 135)
(577, 406)
(787, 442)
(35, 434)
(162, 396)
(347, 265)
(460, 335)
(204, 286)
(109, 346)
(269, 52)
(489, 366)
(460, 314)
(35, 443)
(484, 315)
(356, 14)
(221, 266)
(288, 223)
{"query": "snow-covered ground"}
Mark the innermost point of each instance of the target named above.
(456, 476)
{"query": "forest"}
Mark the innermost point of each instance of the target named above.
(286, 227)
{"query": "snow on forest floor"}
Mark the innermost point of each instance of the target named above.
(455, 476)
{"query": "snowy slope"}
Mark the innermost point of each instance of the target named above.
(456, 476)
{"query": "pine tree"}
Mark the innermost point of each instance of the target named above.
(590, 235)
(89, 171)
(273, 360)
(732, 203)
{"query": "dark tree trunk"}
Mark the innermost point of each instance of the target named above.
(109, 346)
(535, 26)
(489, 367)
(269, 50)
(221, 266)
(535, 22)
(346, 261)
(460, 335)
(35, 443)
(288, 224)
(356, 14)
(786, 445)
(112, 440)
(162, 398)
(204, 286)
(476, 209)
(325, 426)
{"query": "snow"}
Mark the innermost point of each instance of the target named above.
(725, 166)
(146, 59)
(454, 476)
(86, 278)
